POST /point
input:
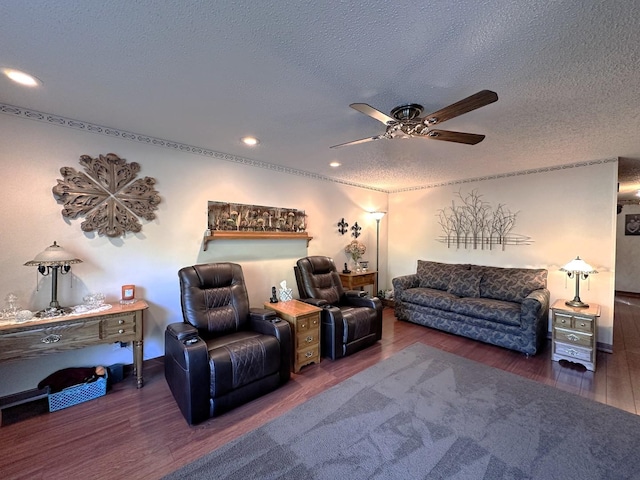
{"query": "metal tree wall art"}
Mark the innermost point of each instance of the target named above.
(473, 223)
(108, 194)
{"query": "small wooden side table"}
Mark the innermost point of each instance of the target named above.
(355, 281)
(305, 330)
(574, 333)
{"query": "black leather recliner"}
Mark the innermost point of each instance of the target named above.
(350, 322)
(224, 353)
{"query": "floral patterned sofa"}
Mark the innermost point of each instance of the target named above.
(508, 307)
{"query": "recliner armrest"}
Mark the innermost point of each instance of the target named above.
(280, 329)
(182, 331)
(262, 313)
(355, 293)
(371, 302)
(318, 302)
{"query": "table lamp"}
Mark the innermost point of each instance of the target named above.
(52, 259)
(579, 269)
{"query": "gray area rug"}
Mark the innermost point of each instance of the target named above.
(425, 413)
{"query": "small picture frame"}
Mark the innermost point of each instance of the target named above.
(128, 294)
(632, 224)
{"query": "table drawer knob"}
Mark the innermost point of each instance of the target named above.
(53, 338)
(309, 339)
(120, 322)
(308, 354)
(121, 330)
(573, 338)
(572, 352)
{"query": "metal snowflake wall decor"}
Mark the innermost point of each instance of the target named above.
(108, 194)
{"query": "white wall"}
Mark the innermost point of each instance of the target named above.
(627, 258)
(32, 154)
(566, 212)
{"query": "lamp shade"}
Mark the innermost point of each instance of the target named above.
(578, 265)
(378, 215)
(53, 256)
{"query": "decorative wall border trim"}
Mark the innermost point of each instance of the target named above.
(159, 142)
(207, 152)
(509, 174)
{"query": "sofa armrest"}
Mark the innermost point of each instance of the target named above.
(534, 315)
(404, 282)
(537, 302)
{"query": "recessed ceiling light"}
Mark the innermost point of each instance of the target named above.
(335, 164)
(21, 77)
(251, 141)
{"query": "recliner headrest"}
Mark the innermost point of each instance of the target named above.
(321, 264)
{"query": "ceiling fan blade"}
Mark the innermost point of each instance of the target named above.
(372, 112)
(477, 100)
(356, 142)
(458, 137)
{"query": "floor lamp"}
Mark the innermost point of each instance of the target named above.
(378, 216)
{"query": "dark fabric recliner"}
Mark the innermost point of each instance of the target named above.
(350, 321)
(224, 353)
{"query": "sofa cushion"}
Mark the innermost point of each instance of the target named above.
(427, 297)
(499, 311)
(511, 284)
(465, 283)
(436, 275)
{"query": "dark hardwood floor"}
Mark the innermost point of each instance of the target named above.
(141, 434)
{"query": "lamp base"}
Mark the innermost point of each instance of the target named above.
(576, 303)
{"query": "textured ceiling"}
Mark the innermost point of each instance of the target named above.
(206, 73)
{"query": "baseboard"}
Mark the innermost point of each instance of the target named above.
(627, 294)
(23, 397)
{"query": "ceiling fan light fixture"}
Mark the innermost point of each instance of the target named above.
(250, 141)
(335, 164)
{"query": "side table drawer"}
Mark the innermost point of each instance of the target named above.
(307, 323)
(306, 355)
(306, 338)
(119, 328)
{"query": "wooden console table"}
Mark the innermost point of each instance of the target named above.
(355, 281)
(43, 336)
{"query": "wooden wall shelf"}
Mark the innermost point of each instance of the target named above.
(233, 235)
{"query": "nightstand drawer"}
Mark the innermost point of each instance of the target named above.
(575, 352)
(583, 324)
(574, 337)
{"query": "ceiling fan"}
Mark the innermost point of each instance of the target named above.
(405, 120)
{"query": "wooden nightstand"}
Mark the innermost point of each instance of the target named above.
(574, 333)
(305, 330)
